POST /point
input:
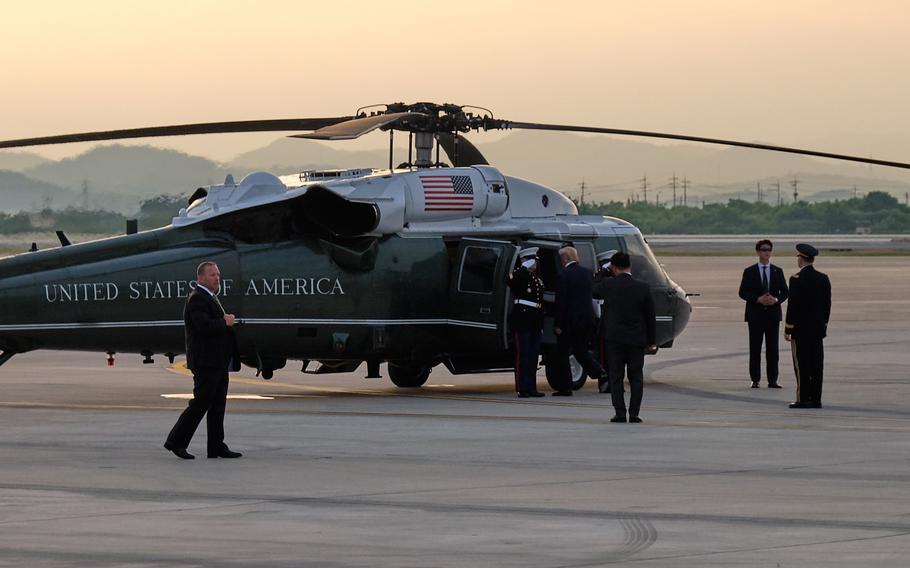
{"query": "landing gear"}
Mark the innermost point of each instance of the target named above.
(579, 377)
(408, 376)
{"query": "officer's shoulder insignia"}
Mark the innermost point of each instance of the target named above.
(795, 276)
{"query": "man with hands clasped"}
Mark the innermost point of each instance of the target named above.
(763, 288)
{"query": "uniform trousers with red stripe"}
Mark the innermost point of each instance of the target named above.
(527, 349)
(808, 364)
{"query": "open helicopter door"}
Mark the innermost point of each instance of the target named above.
(478, 293)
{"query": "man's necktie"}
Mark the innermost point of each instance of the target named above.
(764, 277)
(214, 297)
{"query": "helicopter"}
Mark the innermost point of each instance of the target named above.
(405, 265)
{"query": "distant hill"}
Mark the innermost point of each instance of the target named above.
(21, 193)
(20, 161)
(130, 170)
(289, 155)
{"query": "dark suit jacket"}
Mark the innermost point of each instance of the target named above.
(210, 343)
(810, 304)
(629, 310)
(574, 308)
(750, 288)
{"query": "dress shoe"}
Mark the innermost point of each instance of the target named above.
(618, 418)
(774, 385)
(815, 405)
(561, 393)
(224, 453)
(635, 419)
(755, 384)
(536, 394)
(179, 452)
(799, 405)
(524, 395)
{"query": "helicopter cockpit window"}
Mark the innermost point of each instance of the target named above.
(644, 265)
(478, 270)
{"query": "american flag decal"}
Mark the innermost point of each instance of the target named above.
(447, 193)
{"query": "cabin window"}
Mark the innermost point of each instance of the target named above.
(478, 270)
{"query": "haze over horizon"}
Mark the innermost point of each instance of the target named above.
(819, 74)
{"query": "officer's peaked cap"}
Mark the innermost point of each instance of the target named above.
(528, 252)
(606, 256)
(807, 250)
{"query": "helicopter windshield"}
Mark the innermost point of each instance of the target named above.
(644, 264)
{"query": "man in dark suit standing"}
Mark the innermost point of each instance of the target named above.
(211, 350)
(807, 325)
(574, 319)
(764, 289)
(630, 332)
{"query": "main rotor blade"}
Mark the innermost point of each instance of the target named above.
(460, 151)
(275, 125)
(565, 128)
(350, 129)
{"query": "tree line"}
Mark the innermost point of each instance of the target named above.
(876, 212)
(155, 212)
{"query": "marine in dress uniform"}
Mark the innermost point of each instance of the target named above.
(807, 325)
(764, 289)
(604, 271)
(526, 321)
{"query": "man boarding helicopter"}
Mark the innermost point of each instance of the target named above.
(405, 265)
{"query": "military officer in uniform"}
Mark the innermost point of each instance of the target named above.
(604, 271)
(527, 321)
(806, 326)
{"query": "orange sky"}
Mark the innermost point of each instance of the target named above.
(831, 75)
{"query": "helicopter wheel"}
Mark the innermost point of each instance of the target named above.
(408, 376)
(579, 377)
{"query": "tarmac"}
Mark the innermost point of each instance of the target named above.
(342, 471)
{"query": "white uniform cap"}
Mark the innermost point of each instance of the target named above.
(605, 256)
(528, 252)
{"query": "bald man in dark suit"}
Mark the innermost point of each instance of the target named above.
(211, 351)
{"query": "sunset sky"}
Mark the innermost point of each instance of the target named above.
(831, 75)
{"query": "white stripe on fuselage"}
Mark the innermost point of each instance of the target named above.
(245, 321)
